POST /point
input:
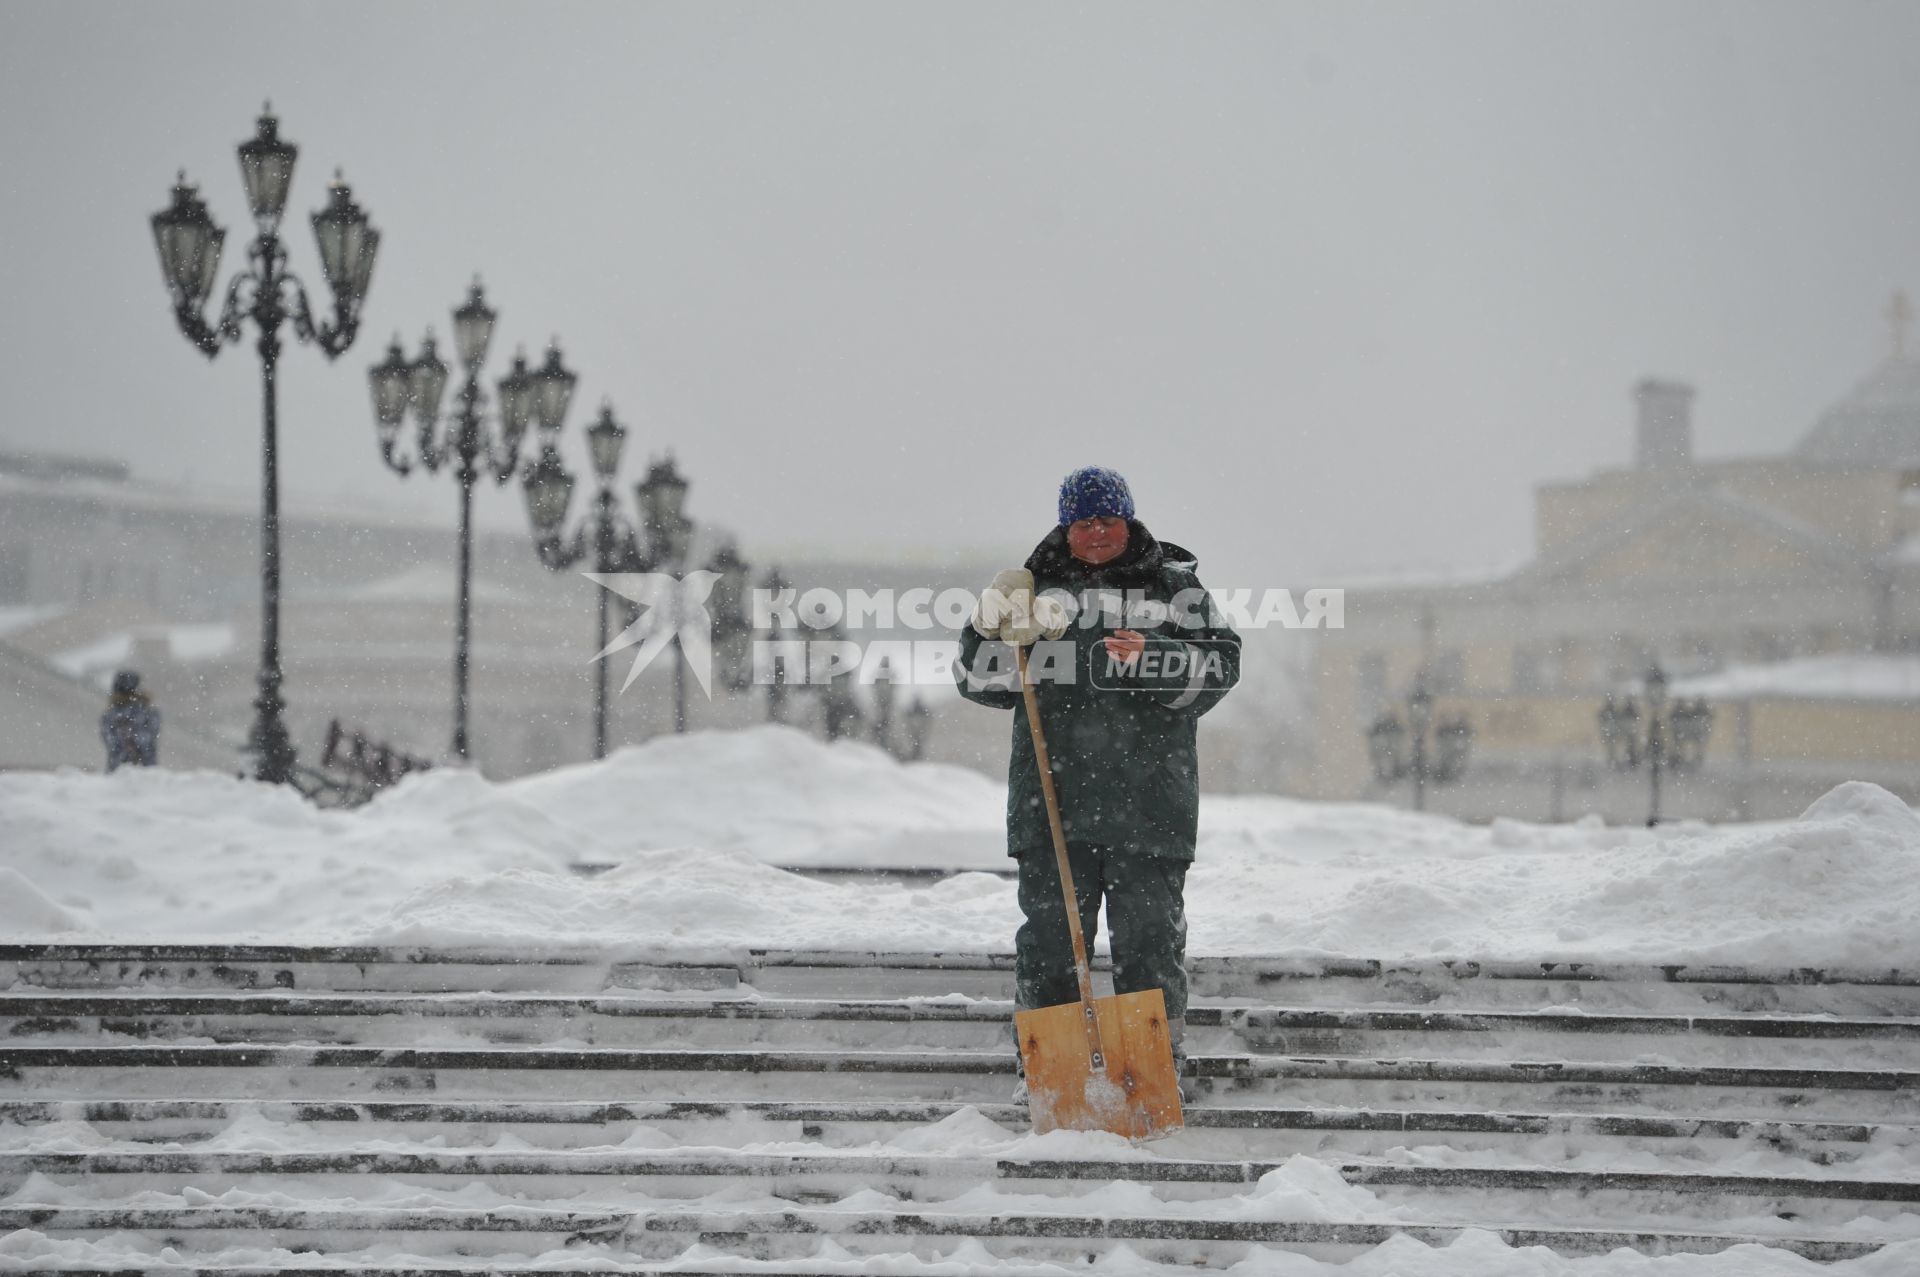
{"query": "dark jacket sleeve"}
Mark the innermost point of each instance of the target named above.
(985, 671)
(1209, 652)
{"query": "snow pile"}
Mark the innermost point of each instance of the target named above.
(1301, 1188)
(150, 853)
(692, 896)
(692, 823)
(783, 797)
(1832, 887)
(25, 909)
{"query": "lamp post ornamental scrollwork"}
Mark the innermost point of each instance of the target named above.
(267, 292)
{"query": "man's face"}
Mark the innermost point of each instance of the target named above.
(1098, 539)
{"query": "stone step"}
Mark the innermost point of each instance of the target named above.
(756, 1090)
(695, 1022)
(821, 973)
(830, 1176)
(785, 1234)
(1211, 1132)
(348, 1072)
(382, 1266)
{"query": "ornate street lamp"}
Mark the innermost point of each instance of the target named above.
(549, 491)
(468, 440)
(189, 245)
(728, 607)
(779, 683)
(662, 499)
(657, 542)
(1425, 748)
(1674, 737)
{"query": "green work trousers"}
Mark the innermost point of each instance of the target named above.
(1146, 924)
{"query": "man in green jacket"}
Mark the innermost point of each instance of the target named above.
(1128, 651)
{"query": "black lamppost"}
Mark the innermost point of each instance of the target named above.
(658, 542)
(773, 583)
(662, 496)
(1674, 737)
(1423, 747)
(549, 489)
(668, 539)
(400, 385)
(267, 292)
(728, 607)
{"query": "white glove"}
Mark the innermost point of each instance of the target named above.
(1010, 611)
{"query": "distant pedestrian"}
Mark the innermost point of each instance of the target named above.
(131, 726)
(840, 714)
(882, 724)
(917, 714)
(839, 710)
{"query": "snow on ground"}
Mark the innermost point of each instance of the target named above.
(1474, 1254)
(782, 797)
(158, 854)
(695, 825)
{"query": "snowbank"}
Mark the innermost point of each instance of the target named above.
(1833, 887)
(693, 823)
(782, 797)
(25, 909)
(692, 896)
(150, 853)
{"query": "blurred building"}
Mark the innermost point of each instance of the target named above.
(101, 570)
(1787, 589)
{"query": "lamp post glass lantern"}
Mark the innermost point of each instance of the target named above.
(662, 495)
(552, 389)
(516, 403)
(189, 245)
(463, 440)
(266, 167)
(605, 438)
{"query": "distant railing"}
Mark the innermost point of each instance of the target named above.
(353, 768)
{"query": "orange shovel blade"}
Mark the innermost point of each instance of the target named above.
(1139, 1094)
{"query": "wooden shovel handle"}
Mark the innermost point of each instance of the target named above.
(1081, 968)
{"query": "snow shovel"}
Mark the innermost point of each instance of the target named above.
(1099, 1064)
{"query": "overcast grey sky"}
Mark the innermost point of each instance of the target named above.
(1333, 284)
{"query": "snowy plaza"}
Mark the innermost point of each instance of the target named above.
(1274, 637)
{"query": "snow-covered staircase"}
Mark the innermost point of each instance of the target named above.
(240, 1108)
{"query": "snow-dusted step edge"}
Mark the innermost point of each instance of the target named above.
(207, 1116)
(659, 1235)
(1231, 1133)
(698, 1021)
(829, 973)
(507, 1264)
(347, 1072)
(848, 1172)
(604, 1262)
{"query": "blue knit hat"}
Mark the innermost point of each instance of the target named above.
(1094, 491)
